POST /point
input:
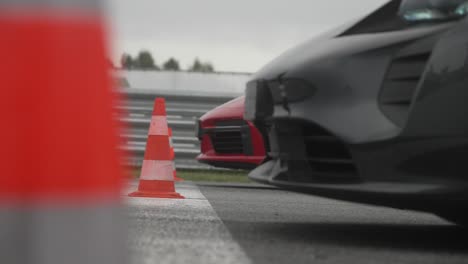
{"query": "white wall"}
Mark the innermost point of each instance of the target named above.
(218, 83)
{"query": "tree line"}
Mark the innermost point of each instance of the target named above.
(145, 61)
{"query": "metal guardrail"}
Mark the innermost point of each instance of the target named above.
(183, 111)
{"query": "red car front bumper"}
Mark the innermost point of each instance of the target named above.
(227, 140)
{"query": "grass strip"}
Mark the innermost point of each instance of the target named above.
(208, 175)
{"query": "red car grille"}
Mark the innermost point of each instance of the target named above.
(231, 137)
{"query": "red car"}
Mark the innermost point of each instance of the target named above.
(227, 140)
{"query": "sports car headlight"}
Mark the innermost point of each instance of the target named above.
(447, 11)
(462, 10)
(423, 15)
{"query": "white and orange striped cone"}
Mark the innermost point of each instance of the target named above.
(177, 179)
(157, 177)
(61, 174)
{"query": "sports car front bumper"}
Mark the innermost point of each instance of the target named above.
(369, 118)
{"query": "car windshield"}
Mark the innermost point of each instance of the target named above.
(430, 10)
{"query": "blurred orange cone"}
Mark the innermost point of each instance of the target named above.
(61, 174)
(177, 179)
(157, 176)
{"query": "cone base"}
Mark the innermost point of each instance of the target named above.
(156, 189)
(167, 195)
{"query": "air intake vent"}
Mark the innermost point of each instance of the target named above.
(227, 142)
(327, 155)
(231, 137)
(400, 84)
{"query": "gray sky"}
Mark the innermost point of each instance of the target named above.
(236, 35)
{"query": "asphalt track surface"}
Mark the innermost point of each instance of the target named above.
(234, 223)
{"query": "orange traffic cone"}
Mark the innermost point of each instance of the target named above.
(157, 177)
(177, 179)
(61, 177)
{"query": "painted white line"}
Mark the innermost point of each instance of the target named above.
(180, 231)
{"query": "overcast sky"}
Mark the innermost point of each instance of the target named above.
(236, 35)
